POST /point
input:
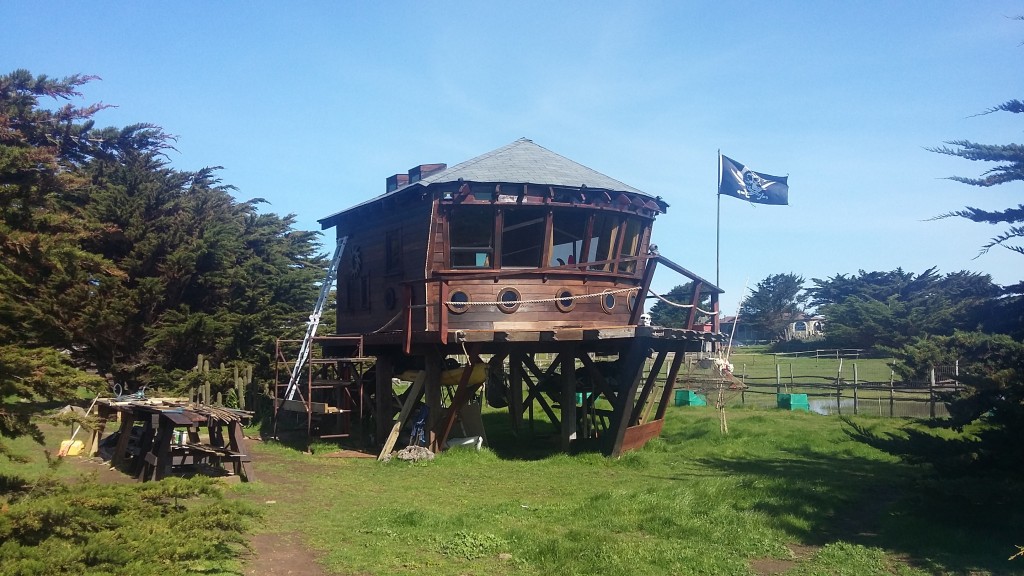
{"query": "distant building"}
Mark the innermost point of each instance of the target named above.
(803, 327)
(806, 327)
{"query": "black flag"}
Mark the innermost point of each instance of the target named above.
(739, 181)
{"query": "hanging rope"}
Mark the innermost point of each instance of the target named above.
(670, 303)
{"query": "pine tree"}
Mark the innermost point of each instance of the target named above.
(1010, 168)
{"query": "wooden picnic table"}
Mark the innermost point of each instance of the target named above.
(159, 442)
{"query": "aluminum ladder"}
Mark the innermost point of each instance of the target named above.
(314, 321)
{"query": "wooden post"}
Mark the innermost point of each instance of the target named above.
(568, 369)
(382, 398)
(791, 383)
(892, 398)
(931, 393)
(778, 379)
(670, 383)
(742, 380)
(855, 382)
(432, 393)
(631, 373)
(515, 390)
(839, 386)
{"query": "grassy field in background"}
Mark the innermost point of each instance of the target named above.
(790, 488)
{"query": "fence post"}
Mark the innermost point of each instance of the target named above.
(743, 381)
(791, 384)
(778, 379)
(892, 399)
(931, 394)
(855, 395)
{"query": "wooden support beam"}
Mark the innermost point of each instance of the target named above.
(535, 394)
(568, 381)
(632, 371)
(432, 393)
(693, 304)
(415, 391)
(670, 384)
(597, 378)
(515, 390)
(382, 397)
(645, 393)
(463, 393)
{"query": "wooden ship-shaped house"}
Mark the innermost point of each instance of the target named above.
(515, 255)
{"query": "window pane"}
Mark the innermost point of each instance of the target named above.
(570, 228)
(602, 245)
(471, 234)
(522, 238)
(630, 244)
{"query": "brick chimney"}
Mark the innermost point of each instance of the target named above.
(423, 170)
(396, 181)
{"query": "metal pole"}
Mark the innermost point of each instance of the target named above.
(718, 220)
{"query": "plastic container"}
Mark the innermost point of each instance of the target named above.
(689, 398)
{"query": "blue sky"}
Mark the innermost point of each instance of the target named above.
(312, 105)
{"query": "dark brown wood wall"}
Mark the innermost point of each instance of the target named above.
(368, 227)
(585, 312)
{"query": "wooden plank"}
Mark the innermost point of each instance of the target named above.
(382, 396)
(410, 402)
(646, 393)
(637, 436)
(670, 384)
(314, 407)
(568, 402)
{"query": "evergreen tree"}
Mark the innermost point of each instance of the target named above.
(112, 261)
(774, 304)
(41, 230)
(890, 309)
(1010, 168)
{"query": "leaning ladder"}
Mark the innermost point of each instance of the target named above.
(314, 321)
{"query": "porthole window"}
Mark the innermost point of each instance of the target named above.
(509, 299)
(608, 301)
(458, 302)
(564, 300)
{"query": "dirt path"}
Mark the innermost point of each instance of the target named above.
(280, 555)
(271, 554)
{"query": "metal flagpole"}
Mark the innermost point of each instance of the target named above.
(718, 219)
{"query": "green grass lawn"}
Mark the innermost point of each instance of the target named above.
(693, 502)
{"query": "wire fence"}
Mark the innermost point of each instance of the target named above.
(836, 381)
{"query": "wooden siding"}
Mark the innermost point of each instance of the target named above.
(368, 231)
(586, 312)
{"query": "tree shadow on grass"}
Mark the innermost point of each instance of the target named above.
(940, 525)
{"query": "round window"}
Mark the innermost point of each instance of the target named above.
(458, 302)
(564, 300)
(509, 300)
(608, 301)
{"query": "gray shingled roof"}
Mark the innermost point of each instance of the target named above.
(521, 162)
(524, 162)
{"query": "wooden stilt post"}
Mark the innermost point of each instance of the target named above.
(382, 397)
(432, 395)
(568, 369)
(670, 383)
(632, 371)
(515, 390)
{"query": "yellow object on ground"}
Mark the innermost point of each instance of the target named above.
(71, 448)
